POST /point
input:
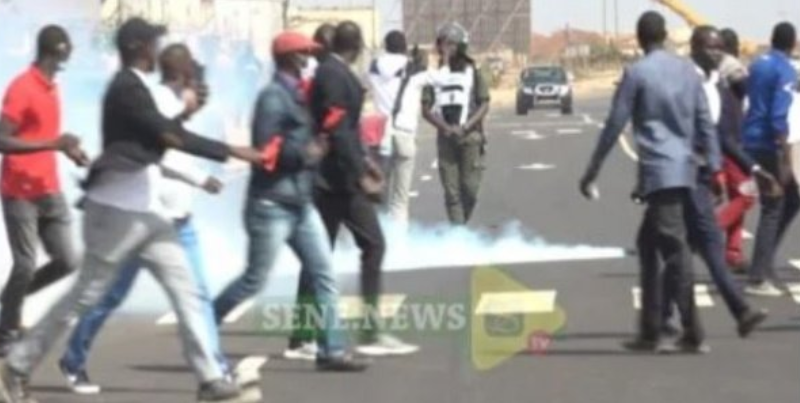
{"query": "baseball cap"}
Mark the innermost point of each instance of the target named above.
(291, 42)
(137, 31)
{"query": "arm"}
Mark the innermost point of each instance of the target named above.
(620, 114)
(177, 165)
(781, 103)
(483, 98)
(429, 115)
(10, 144)
(136, 105)
(706, 129)
(729, 130)
(347, 145)
(269, 136)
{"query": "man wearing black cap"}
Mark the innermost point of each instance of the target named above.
(123, 220)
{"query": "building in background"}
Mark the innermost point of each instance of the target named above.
(307, 20)
(495, 26)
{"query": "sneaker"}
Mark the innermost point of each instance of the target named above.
(78, 381)
(640, 345)
(692, 347)
(342, 363)
(386, 345)
(306, 352)
(13, 386)
(765, 289)
(750, 321)
(219, 391)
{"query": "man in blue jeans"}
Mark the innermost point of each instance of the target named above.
(182, 177)
(280, 206)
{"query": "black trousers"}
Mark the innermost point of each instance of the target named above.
(777, 214)
(663, 236)
(356, 212)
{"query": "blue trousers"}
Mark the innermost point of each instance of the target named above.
(80, 343)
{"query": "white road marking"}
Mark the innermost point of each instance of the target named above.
(413, 194)
(435, 164)
(537, 167)
(626, 147)
(426, 178)
(587, 119)
(747, 235)
(794, 290)
(527, 134)
(553, 115)
(239, 311)
(795, 263)
(167, 320)
(352, 307)
(569, 131)
(701, 295)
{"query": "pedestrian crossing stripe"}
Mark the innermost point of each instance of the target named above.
(352, 307)
(503, 303)
(171, 318)
(701, 295)
(794, 290)
(795, 263)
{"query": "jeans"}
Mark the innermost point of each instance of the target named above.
(663, 235)
(92, 321)
(707, 239)
(113, 237)
(28, 221)
(777, 213)
(269, 226)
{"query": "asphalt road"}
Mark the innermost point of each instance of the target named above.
(534, 163)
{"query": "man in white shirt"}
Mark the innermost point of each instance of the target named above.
(172, 196)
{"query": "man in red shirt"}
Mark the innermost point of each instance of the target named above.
(33, 205)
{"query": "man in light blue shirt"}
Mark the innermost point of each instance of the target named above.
(663, 95)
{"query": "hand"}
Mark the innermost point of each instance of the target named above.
(372, 187)
(589, 188)
(213, 186)
(767, 184)
(78, 156)
(66, 142)
(202, 92)
(374, 170)
(247, 154)
(458, 131)
(718, 185)
(316, 151)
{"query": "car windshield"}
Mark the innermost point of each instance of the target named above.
(544, 75)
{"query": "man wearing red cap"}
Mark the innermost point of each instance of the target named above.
(280, 205)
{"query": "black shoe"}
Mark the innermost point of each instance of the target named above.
(739, 268)
(343, 363)
(13, 386)
(692, 347)
(750, 321)
(219, 391)
(648, 346)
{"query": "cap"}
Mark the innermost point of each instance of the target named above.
(137, 31)
(291, 42)
(453, 32)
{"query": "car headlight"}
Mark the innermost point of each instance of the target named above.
(527, 90)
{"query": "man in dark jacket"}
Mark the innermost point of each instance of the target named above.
(280, 206)
(349, 182)
(123, 220)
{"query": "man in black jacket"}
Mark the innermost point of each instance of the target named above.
(349, 182)
(123, 220)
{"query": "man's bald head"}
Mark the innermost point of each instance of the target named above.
(348, 41)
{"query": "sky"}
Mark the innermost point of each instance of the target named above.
(752, 18)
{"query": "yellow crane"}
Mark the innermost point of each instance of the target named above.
(694, 19)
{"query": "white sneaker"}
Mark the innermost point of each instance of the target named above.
(79, 382)
(387, 345)
(765, 289)
(306, 352)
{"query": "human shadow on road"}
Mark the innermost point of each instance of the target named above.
(162, 368)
